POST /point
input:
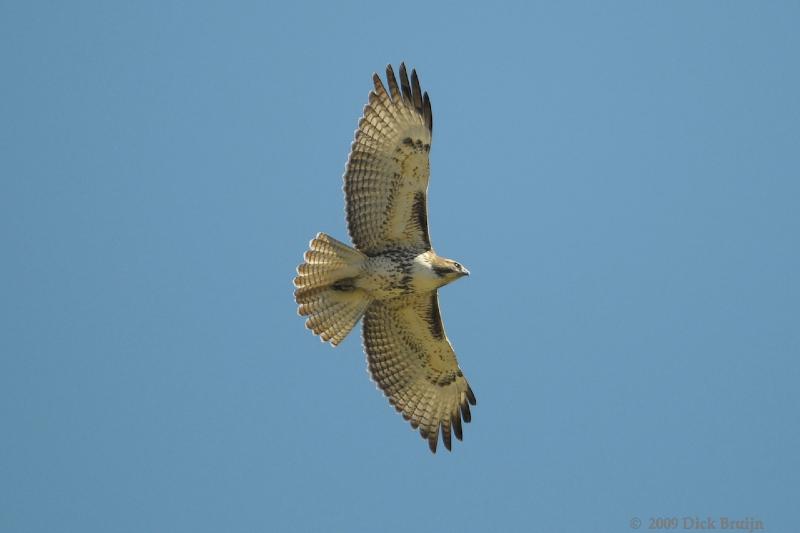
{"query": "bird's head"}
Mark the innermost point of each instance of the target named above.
(448, 270)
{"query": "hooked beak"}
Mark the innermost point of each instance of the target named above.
(465, 271)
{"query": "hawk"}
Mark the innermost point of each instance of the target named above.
(392, 276)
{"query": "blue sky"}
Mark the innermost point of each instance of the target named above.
(622, 181)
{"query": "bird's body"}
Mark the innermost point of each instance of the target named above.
(400, 272)
(392, 276)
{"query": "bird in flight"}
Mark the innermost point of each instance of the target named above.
(392, 276)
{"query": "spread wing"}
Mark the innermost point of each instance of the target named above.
(386, 180)
(412, 361)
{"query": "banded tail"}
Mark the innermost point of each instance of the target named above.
(326, 291)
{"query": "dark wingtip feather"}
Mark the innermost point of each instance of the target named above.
(394, 91)
(456, 419)
(465, 413)
(416, 92)
(471, 396)
(446, 435)
(404, 84)
(433, 439)
(376, 80)
(426, 111)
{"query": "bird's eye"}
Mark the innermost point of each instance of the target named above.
(457, 265)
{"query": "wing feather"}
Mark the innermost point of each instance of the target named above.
(416, 93)
(392, 82)
(416, 368)
(426, 107)
(386, 179)
(404, 84)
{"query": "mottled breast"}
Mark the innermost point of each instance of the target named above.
(389, 274)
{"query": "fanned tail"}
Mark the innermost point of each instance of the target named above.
(326, 291)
